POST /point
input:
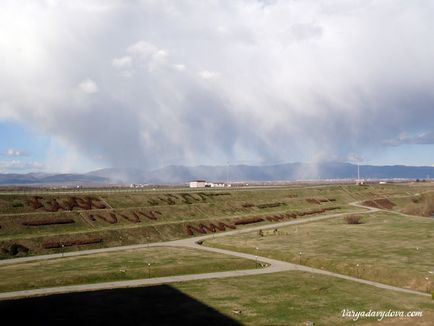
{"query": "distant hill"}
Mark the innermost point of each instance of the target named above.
(282, 172)
(176, 174)
(51, 179)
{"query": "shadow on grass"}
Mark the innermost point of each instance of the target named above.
(154, 305)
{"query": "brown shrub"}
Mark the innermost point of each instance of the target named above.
(203, 228)
(134, 219)
(216, 194)
(353, 219)
(69, 243)
(168, 200)
(35, 202)
(15, 249)
(249, 220)
(248, 205)
(53, 205)
(275, 218)
(112, 218)
(153, 202)
(48, 222)
(152, 214)
(270, 205)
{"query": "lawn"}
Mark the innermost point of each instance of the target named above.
(292, 298)
(386, 247)
(125, 265)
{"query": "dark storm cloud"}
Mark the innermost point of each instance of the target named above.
(149, 83)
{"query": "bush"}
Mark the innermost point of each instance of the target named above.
(248, 220)
(112, 219)
(152, 215)
(134, 219)
(353, 219)
(203, 228)
(248, 205)
(17, 205)
(153, 202)
(270, 205)
(35, 202)
(48, 222)
(68, 243)
(15, 249)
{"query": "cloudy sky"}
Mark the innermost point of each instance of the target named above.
(87, 84)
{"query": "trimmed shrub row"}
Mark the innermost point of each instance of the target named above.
(113, 218)
(54, 204)
(48, 222)
(283, 216)
(249, 220)
(215, 194)
(319, 201)
(69, 243)
(248, 205)
(184, 198)
(133, 219)
(152, 215)
(279, 217)
(203, 228)
(317, 211)
(270, 205)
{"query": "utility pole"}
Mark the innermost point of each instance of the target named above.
(358, 172)
(227, 174)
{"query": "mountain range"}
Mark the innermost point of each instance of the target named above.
(178, 174)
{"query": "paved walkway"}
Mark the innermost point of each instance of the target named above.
(273, 265)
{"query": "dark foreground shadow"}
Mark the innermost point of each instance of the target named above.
(154, 305)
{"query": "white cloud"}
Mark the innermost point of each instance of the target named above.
(122, 62)
(142, 48)
(179, 67)
(88, 86)
(14, 153)
(17, 165)
(206, 74)
(424, 138)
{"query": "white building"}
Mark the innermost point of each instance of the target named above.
(198, 184)
(215, 185)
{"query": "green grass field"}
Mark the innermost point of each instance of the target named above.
(292, 298)
(115, 266)
(387, 247)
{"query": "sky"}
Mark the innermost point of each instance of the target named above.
(90, 84)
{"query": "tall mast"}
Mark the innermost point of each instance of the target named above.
(358, 172)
